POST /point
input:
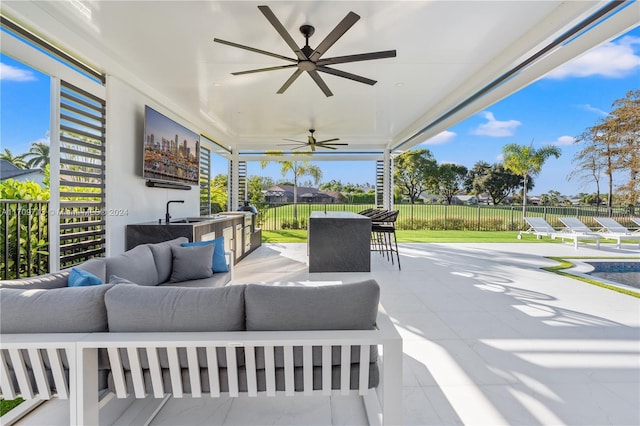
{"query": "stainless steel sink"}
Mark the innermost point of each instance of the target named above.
(191, 220)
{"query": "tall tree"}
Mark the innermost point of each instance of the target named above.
(494, 180)
(450, 180)
(38, 155)
(16, 160)
(297, 169)
(415, 172)
(526, 161)
(588, 166)
(614, 144)
(624, 123)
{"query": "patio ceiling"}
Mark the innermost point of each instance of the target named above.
(447, 51)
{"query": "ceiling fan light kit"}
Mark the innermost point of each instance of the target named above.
(308, 59)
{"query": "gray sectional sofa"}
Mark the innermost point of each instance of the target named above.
(144, 341)
(145, 334)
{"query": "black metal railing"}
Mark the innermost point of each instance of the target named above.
(277, 216)
(24, 227)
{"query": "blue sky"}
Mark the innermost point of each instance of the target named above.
(553, 110)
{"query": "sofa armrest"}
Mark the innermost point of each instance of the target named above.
(46, 281)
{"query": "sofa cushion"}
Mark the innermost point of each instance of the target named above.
(114, 279)
(163, 258)
(136, 265)
(216, 280)
(191, 263)
(133, 308)
(219, 260)
(58, 310)
(332, 307)
(81, 278)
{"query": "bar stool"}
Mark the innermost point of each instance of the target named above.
(382, 229)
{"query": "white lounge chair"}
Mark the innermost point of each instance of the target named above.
(538, 227)
(576, 230)
(612, 230)
(636, 220)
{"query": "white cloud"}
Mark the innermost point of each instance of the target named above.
(613, 60)
(9, 73)
(591, 108)
(495, 127)
(564, 140)
(440, 139)
(500, 157)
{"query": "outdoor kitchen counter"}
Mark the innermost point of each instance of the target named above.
(339, 242)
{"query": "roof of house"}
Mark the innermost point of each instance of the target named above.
(9, 170)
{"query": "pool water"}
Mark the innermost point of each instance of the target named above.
(627, 273)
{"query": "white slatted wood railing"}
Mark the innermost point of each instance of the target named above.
(39, 367)
(245, 363)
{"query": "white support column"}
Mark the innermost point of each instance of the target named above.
(388, 180)
(54, 176)
(233, 202)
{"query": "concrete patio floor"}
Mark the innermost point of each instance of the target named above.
(488, 337)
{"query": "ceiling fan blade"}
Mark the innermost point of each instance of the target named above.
(333, 144)
(263, 69)
(356, 58)
(293, 140)
(271, 17)
(328, 140)
(326, 147)
(290, 81)
(320, 82)
(253, 49)
(348, 75)
(334, 35)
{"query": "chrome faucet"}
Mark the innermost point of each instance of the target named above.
(167, 216)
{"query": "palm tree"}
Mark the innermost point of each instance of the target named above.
(526, 161)
(299, 169)
(38, 155)
(16, 160)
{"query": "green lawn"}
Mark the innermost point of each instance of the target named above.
(300, 236)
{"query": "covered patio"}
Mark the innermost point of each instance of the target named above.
(488, 337)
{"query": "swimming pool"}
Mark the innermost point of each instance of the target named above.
(627, 273)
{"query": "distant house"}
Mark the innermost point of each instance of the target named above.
(11, 171)
(464, 199)
(284, 194)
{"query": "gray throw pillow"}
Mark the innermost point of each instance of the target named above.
(132, 308)
(58, 310)
(332, 307)
(163, 258)
(191, 263)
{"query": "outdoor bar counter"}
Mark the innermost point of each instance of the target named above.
(339, 242)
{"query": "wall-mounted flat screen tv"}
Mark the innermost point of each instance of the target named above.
(171, 151)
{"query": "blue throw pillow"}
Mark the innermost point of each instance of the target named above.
(81, 278)
(219, 261)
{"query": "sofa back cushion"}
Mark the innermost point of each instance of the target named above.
(96, 266)
(163, 258)
(132, 308)
(136, 265)
(58, 310)
(332, 307)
